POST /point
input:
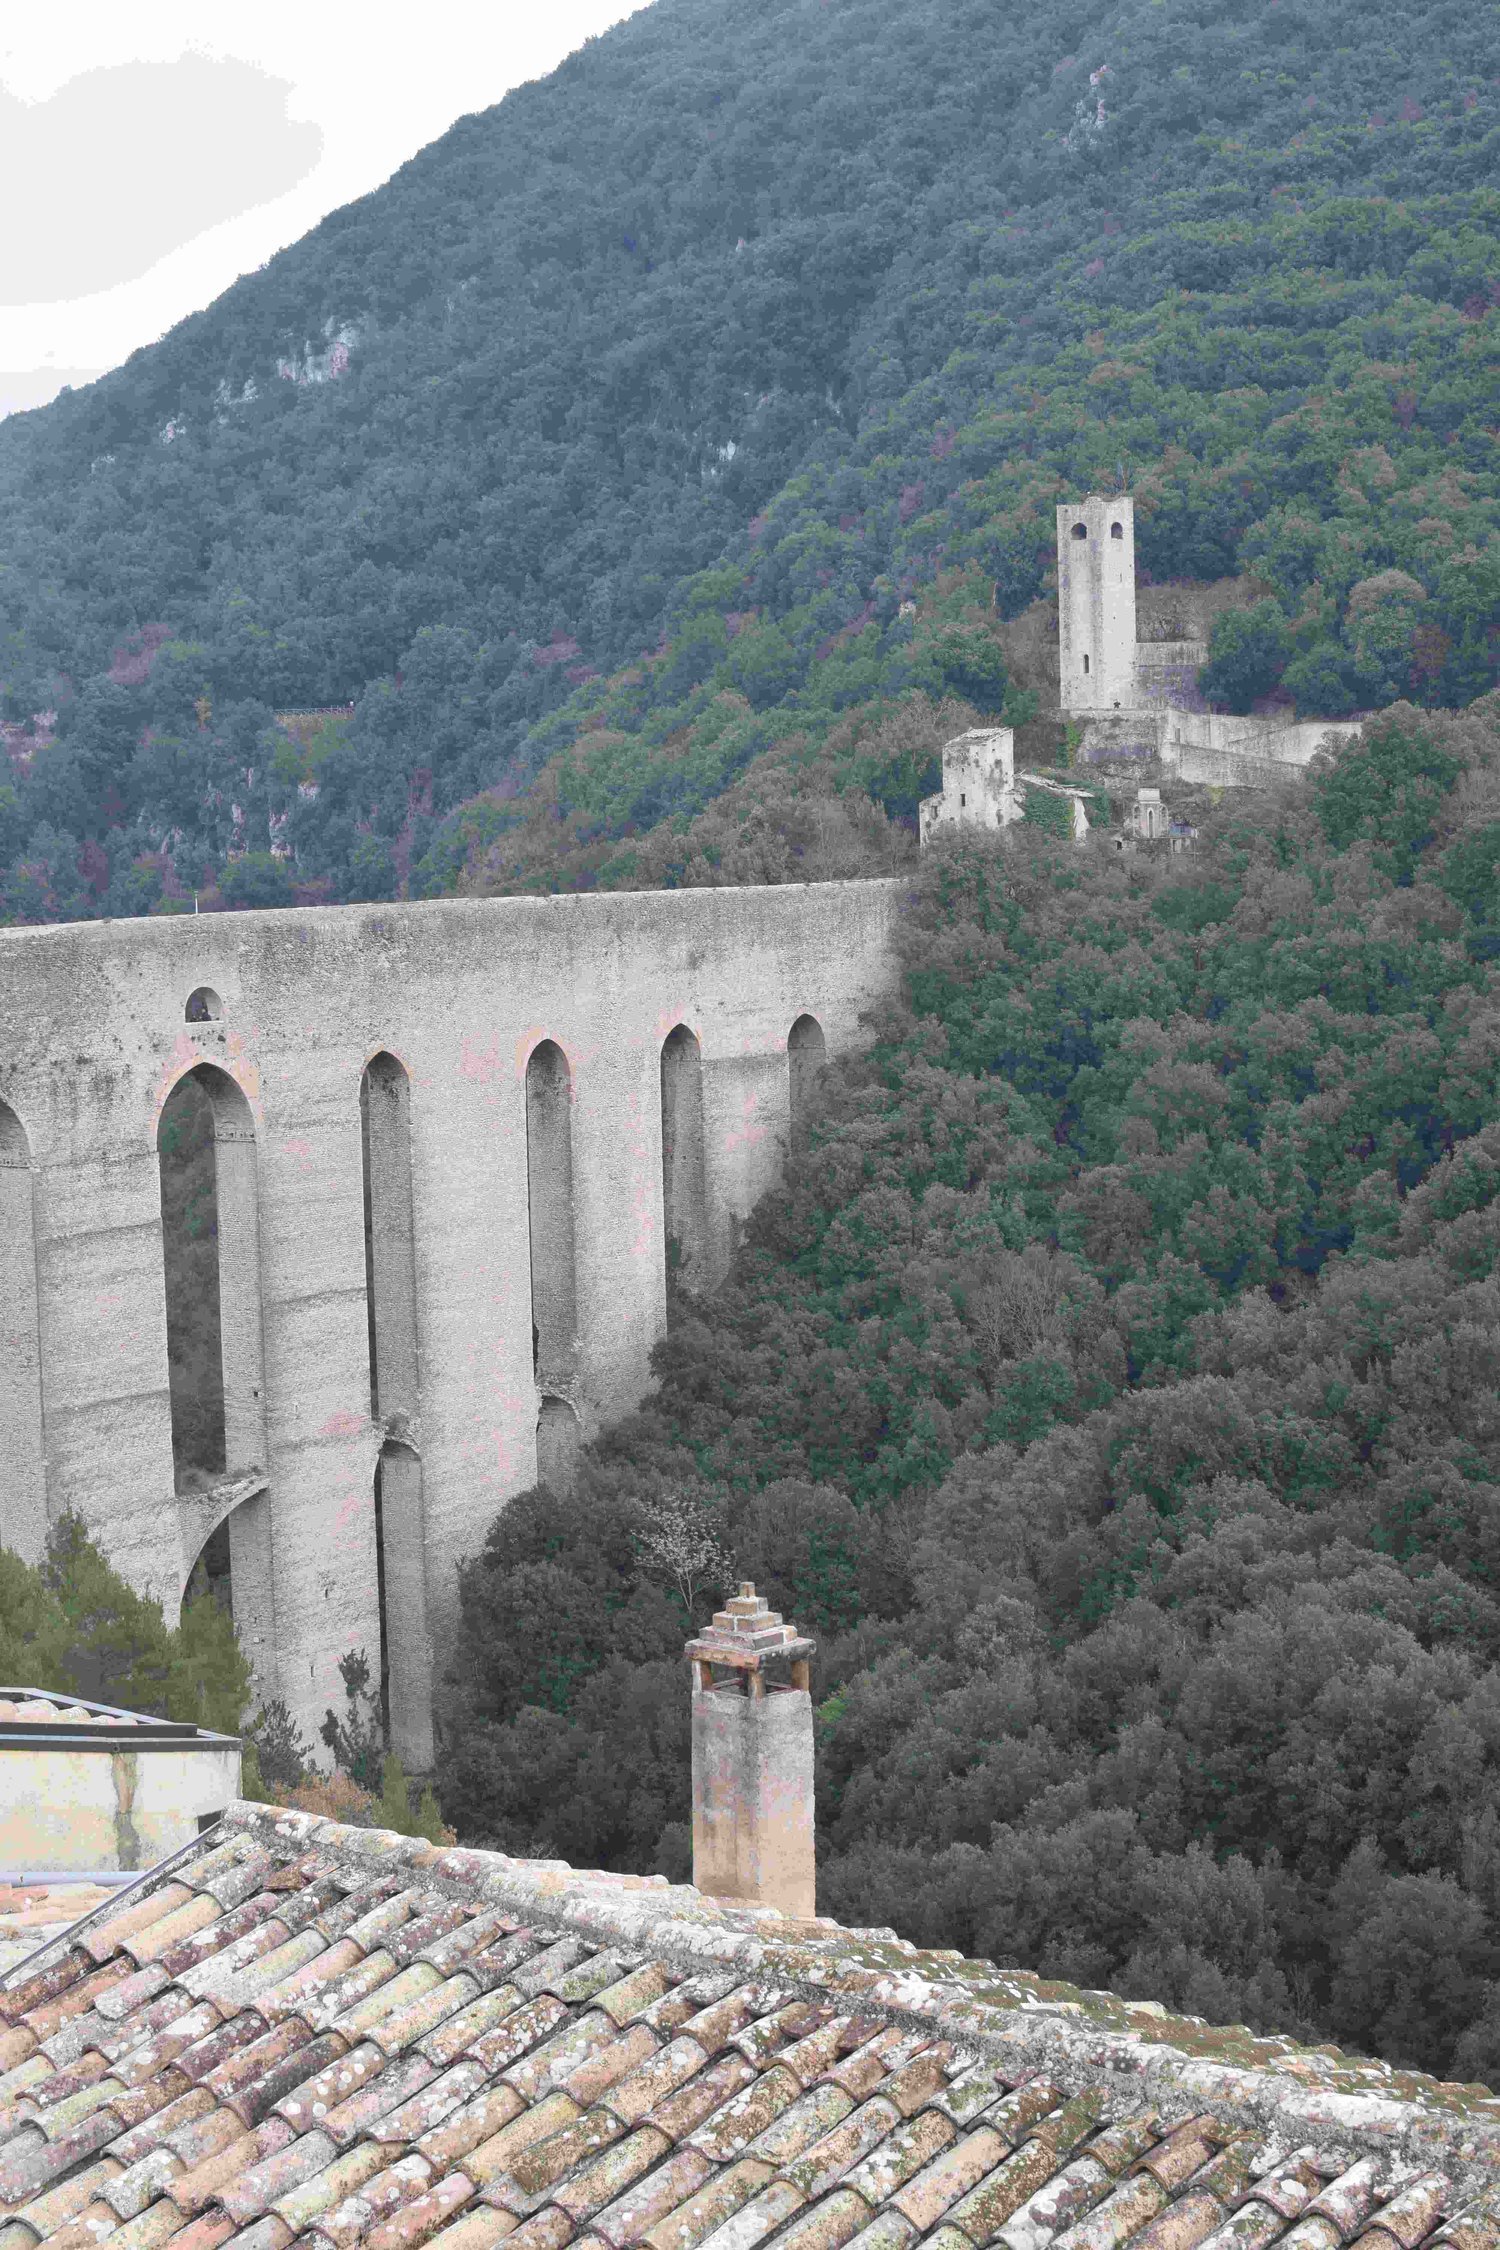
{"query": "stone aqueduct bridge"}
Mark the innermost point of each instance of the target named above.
(456, 1146)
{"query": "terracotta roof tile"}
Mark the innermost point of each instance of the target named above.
(702, 2097)
(1119, 2218)
(960, 2166)
(803, 2123)
(303, 2204)
(644, 2204)
(628, 1995)
(556, 2057)
(477, 2120)
(726, 2191)
(829, 2224)
(598, 2183)
(728, 2131)
(1414, 2212)
(491, 2158)
(651, 2081)
(46, 2213)
(418, 2222)
(757, 2219)
(476, 2230)
(377, 2094)
(1315, 2232)
(521, 2029)
(888, 2230)
(826, 2161)
(209, 2231)
(536, 2170)
(1193, 2219)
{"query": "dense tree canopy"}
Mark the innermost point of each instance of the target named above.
(665, 430)
(1111, 1388)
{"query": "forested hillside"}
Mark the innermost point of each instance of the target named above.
(635, 457)
(1112, 1389)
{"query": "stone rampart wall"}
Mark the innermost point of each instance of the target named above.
(93, 1038)
(1216, 748)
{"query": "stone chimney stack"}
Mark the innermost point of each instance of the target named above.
(753, 1760)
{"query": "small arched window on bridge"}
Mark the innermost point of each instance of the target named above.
(1080, 531)
(806, 1054)
(204, 1005)
(1117, 531)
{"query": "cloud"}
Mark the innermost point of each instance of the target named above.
(122, 165)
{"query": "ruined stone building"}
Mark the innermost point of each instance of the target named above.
(457, 1147)
(982, 789)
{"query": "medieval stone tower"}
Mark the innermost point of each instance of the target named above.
(1096, 603)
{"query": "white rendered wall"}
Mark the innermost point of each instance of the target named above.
(66, 1811)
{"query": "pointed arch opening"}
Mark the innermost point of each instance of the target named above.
(806, 1058)
(684, 1177)
(558, 1438)
(395, 1405)
(206, 1155)
(549, 1186)
(20, 1346)
(212, 1574)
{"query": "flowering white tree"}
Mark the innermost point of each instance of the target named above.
(676, 1539)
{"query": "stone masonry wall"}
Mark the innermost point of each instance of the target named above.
(460, 993)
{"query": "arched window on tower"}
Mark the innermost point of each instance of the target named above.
(1117, 531)
(1080, 531)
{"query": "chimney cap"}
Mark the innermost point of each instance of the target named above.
(745, 1632)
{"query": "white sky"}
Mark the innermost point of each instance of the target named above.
(151, 153)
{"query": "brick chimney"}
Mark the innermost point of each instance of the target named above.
(753, 1759)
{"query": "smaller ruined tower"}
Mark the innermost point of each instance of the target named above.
(979, 783)
(1096, 603)
(752, 1759)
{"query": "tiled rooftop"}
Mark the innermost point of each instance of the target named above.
(299, 2033)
